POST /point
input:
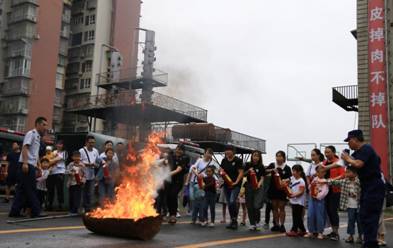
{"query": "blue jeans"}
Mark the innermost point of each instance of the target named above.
(231, 195)
(88, 195)
(197, 209)
(353, 218)
(210, 202)
(106, 190)
(316, 215)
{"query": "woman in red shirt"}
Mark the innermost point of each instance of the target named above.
(333, 198)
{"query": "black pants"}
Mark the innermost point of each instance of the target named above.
(161, 205)
(55, 183)
(172, 193)
(371, 202)
(210, 203)
(26, 192)
(297, 218)
(41, 196)
(254, 203)
(332, 206)
(268, 210)
(75, 195)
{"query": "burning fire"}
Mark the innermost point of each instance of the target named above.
(136, 193)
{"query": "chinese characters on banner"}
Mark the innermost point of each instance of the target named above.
(378, 82)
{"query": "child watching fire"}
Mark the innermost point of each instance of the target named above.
(76, 178)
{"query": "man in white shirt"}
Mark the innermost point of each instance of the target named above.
(26, 176)
(89, 157)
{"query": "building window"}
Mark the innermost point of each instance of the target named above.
(89, 20)
(86, 67)
(76, 39)
(85, 83)
(92, 19)
(77, 20)
(19, 67)
(89, 35)
(62, 61)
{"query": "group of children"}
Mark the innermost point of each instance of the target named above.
(304, 190)
(107, 172)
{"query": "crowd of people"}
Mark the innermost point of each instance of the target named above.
(352, 183)
(40, 178)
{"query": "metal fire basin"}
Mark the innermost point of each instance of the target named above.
(143, 229)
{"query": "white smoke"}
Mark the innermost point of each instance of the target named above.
(161, 173)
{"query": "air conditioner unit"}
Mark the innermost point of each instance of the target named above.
(34, 19)
(36, 36)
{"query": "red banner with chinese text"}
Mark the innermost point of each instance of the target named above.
(379, 129)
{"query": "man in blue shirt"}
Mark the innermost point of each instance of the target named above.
(368, 163)
(26, 174)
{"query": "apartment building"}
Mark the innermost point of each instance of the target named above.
(33, 58)
(52, 51)
(99, 28)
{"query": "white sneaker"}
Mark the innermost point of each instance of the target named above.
(252, 228)
(178, 215)
(211, 224)
(203, 223)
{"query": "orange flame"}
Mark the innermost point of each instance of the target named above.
(136, 193)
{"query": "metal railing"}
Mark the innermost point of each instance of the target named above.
(129, 75)
(207, 132)
(247, 141)
(348, 91)
(124, 98)
(346, 97)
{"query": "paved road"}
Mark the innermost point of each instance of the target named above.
(70, 232)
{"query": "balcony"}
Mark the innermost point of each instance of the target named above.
(209, 135)
(19, 72)
(12, 35)
(346, 97)
(91, 4)
(25, 17)
(57, 118)
(66, 18)
(13, 110)
(18, 2)
(16, 87)
(59, 100)
(65, 34)
(132, 76)
(77, 8)
(21, 52)
(131, 107)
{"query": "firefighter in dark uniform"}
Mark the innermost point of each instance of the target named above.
(26, 172)
(368, 163)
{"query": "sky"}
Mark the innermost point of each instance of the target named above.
(263, 68)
